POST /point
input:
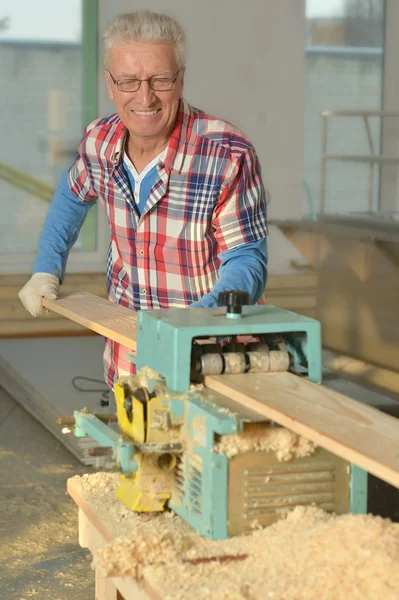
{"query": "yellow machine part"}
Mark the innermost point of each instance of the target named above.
(150, 487)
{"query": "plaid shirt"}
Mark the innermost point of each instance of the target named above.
(208, 198)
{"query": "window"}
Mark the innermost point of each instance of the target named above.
(344, 70)
(48, 61)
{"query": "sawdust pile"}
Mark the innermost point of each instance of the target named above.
(128, 556)
(98, 489)
(263, 437)
(309, 555)
(149, 531)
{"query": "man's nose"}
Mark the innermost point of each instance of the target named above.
(145, 95)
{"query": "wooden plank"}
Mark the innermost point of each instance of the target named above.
(38, 374)
(15, 311)
(356, 432)
(293, 291)
(15, 321)
(42, 409)
(98, 314)
(114, 321)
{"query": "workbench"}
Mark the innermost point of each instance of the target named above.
(351, 557)
(95, 532)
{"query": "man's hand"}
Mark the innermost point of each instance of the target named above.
(40, 285)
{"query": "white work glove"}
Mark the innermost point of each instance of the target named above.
(40, 285)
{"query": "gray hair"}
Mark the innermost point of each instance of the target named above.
(144, 26)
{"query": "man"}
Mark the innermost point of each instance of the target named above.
(182, 190)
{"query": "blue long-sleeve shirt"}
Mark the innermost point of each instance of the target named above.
(244, 267)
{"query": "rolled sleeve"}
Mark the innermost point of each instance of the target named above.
(80, 178)
(241, 214)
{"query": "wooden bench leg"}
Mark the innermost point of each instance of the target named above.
(83, 529)
(106, 589)
(90, 538)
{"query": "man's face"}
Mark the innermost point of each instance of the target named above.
(148, 114)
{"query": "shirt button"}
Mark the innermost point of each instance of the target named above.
(144, 291)
(142, 252)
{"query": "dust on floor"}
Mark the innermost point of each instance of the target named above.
(40, 557)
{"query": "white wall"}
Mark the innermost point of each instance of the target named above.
(245, 64)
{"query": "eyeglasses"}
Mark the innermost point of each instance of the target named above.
(156, 83)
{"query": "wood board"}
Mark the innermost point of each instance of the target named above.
(40, 407)
(98, 314)
(38, 374)
(348, 428)
(357, 433)
(16, 322)
(294, 291)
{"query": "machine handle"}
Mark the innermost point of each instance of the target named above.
(234, 300)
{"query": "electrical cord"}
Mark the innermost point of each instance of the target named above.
(104, 391)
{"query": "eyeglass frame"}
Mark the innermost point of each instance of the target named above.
(117, 82)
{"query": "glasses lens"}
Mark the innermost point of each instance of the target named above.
(159, 84)
(129, 85)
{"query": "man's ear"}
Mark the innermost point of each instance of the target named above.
(183, 72)
(108, 82)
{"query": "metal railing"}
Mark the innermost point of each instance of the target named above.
(26, 182)
(372, 159)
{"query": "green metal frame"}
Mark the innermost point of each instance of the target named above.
(359, 485)
(88, 424)
(164, 337)
(89, 60)
(164, 340)
(89, 94)
(204, 503)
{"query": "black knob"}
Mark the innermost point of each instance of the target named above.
(234, 300)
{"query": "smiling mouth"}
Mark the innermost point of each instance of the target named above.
(146, 113)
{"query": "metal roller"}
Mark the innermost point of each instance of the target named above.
(234, 363)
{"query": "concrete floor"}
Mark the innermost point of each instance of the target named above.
(40, 557)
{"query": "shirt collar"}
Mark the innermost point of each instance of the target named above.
(176, 149)
(117, 151)
(181, 138)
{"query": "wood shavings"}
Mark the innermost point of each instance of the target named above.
(196, 387)
(263, 437)
(145, 374)
(140, 380)
(127, 556)
(99, 489)
(309, 555)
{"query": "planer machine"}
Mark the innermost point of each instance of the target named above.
(169, 423)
